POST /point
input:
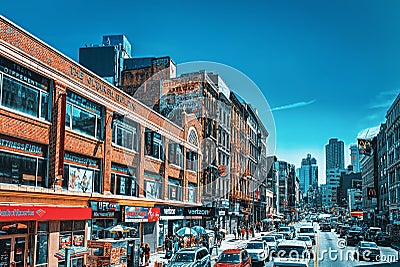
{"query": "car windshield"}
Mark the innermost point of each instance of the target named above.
(269, 238)
(369, 245)
(304, 238)
(291, 252)
(306, 230)
(284, 229)
(254, 245)
(183, 257)
(229, 258)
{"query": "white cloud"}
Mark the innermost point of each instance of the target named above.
(384, 99)
(294, 105)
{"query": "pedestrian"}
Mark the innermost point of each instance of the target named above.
(243, 232)
(176, 244)
(146, 251)
(235, 233)
(166, 243)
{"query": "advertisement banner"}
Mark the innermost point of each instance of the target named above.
(43, 213)
(80, 179)
(199, 211)
(141, 214)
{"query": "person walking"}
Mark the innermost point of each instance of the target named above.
(235, 232)
(146, 251)
(243, 232)
(141, 254)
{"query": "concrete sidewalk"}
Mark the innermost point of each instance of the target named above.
(228, 243)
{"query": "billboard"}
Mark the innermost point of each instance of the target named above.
(364, 146)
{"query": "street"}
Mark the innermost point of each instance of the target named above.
(326, 251)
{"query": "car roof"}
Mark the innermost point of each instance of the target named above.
(191, 249)
(232, 251)
(292, 243)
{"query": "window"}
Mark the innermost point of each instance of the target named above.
(191, 160)
(42, 243)
(83, 116)
(23, 170)
(174, 189)
(154, 145)
(23, 90)
(124, 185)
(175, 154)
(125, 133)
(192, 192)
(82, 179)
(153, 185)
(72, 233)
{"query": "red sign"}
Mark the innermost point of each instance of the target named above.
(153, 214)
(43, 213)
(356, 214)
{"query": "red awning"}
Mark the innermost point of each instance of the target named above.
(356, 214)
(43, 213)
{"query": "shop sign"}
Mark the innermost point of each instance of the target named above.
(199, 211)
(221, 213)
(20, 146)
(141, 214)
(171, 211)
(81, 160)
(43, 213)
(104, 209)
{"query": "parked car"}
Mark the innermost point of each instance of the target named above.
(325, 227)
(233, 258)
(309, 231)
(382, 239)
(271, 242)
(287, 233)
(292, 253)
(343, 230)
(370, 234)
(353, 237)
(188, 257)
(306, 239)
(258, 251)
(367, 250)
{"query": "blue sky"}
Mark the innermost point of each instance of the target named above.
(326, 68)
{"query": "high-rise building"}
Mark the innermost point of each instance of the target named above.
(334, 154)
(308, 174)
(355, 157)
(107, 60)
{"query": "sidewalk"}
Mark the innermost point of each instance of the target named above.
(228, 243)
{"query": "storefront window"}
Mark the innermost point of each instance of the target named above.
(80, 178)
(98, 226)
(42, 244)
(174, 189)
(72, 233)
(23, 170)
(83, 116)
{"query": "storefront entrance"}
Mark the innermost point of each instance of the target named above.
(13, 249)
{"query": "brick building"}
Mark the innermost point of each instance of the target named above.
(73, 146)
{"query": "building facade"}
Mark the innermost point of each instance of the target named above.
(71, 142)
(308, 174)
(334, 153)
(355, 157)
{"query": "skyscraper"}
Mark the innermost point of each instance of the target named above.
(334, 154)
(355, 158)
(308, 173)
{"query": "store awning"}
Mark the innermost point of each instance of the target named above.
(75, 252)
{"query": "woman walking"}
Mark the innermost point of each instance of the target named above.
(146, 251)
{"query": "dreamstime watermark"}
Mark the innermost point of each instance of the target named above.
(200, 103)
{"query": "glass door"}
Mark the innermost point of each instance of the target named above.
(5, 252)
(19, 251)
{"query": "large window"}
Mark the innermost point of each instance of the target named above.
(154, 144)
(174, 189)
(23, 90)
(83, 116)
(23, 170)
(125, 133)
(175, 154)
(123, 180)
(191, 160)
(72, 233)
(192, 195)
(153, 185)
